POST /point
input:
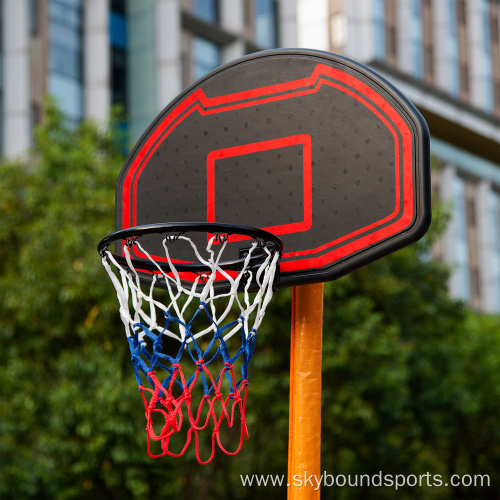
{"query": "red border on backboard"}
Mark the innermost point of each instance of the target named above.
(294, 140)
(363, 93)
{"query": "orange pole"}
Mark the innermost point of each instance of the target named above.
(304, 441)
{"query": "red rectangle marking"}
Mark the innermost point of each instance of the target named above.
(302, 139)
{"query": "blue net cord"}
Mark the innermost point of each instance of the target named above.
(191, 370)
(148, 358)
(149, 362)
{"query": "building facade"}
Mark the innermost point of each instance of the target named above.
(444, 55)
(91, 54)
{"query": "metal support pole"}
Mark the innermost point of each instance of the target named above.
(304, 441)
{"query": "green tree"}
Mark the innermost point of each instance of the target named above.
(66, 427)
(411, 378)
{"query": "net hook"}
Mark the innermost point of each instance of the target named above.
(130, 241)
(172, 238)
(220, 238)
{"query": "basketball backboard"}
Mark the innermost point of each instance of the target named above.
(311, 146)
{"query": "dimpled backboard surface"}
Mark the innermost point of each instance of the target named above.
(311, 146)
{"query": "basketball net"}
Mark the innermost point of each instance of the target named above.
(190, 360)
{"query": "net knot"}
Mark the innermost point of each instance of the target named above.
(235, 396)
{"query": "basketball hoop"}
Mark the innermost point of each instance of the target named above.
(183, 348)
(271, 140)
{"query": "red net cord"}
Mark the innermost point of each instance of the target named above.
(179, 410)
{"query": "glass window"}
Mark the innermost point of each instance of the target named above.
(266, 35)
(69, 95)
(119, 58)
(206, 9)
(486, 25)
(454, 74)
(65, 61)
(117, 30)
(33, 16)
(119, 76)
(495, 243)
(487, 60)
(462, 246)
(206, 56)
(118, 6)
(65, 13)
(65, 51)
(417, 39)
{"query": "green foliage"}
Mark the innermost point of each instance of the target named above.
(411, 378)
(403, 396)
